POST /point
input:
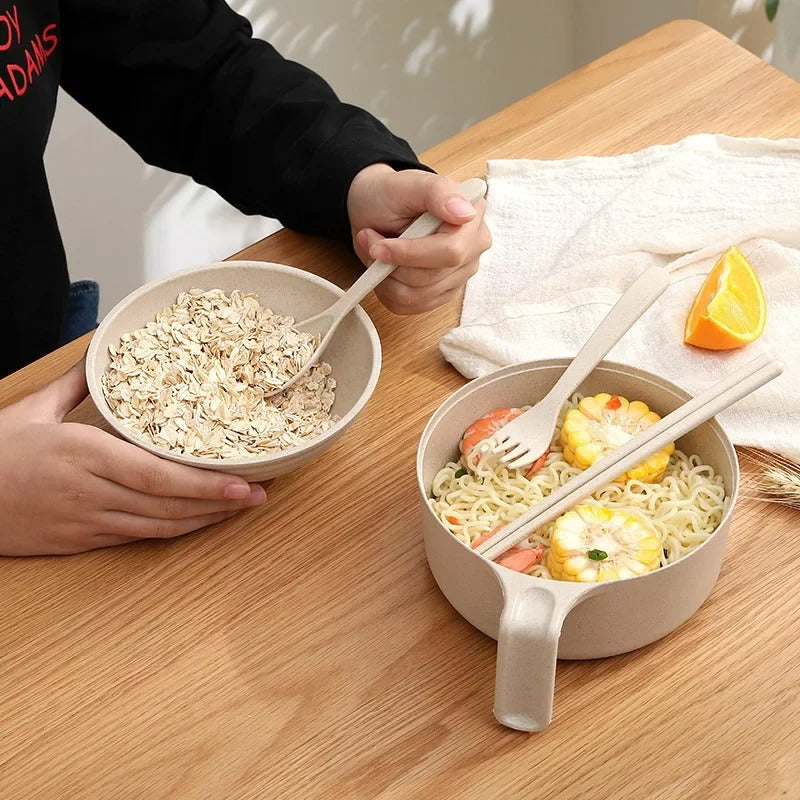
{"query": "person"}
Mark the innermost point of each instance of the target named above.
(190, 89)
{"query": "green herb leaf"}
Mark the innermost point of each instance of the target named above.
(771, 7)
(597, 555)
(460, 473)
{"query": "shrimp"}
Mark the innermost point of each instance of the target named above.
(485, 427)
(520, 559)
(483, 537)
(538, 464)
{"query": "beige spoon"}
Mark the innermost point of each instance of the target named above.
(323, 325)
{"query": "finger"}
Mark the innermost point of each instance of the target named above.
(411, 276)
(420, 306)
(121, 498)
(404, 299)
(363, 241)
(120, 523)
(424, 191)
(128, 465)
(67, 539)
(418, 278)
(57, 399)
(450, 247)
(110, 540)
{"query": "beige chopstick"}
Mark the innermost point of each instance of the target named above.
(734, 387)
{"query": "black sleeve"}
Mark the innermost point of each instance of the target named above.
(186, 85)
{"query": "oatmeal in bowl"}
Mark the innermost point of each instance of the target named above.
(183, 367)
(195, 380)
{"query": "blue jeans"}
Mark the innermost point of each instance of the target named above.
(80, 317)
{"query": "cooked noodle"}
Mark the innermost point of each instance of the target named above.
(685, 508)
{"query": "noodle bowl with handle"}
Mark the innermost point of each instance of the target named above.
(536, 620)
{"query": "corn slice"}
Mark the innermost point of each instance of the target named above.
(591, 543)
(604, 422)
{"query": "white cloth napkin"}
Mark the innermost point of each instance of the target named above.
(570, 236)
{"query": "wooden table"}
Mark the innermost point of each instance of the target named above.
(223, 665)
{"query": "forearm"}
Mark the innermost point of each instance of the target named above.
(186, 85)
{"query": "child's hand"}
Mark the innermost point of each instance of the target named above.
(66, 488)
(431, 271)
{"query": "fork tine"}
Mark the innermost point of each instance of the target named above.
(500, 444)
(519, 450)
(522, 461)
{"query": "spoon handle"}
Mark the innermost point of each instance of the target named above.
(637, 298)
(377, 272)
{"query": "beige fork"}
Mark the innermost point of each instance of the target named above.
(527, 437)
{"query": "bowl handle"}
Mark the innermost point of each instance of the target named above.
(527, 648)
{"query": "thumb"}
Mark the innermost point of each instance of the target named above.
(442, 197)
(57, 399)
(363, 241)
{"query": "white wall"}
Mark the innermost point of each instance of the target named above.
(427, 69)
(602, 25)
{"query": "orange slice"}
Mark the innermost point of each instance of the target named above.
(730, 309)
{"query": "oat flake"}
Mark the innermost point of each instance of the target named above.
(193, 381)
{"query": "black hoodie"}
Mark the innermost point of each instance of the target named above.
(186, 85)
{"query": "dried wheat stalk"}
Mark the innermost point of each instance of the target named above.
(776, 481)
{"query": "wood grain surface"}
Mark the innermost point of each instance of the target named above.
(228, 665)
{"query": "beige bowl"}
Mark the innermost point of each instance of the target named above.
(536, 620)
(354, 352)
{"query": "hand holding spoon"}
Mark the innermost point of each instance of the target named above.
(323, 325)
